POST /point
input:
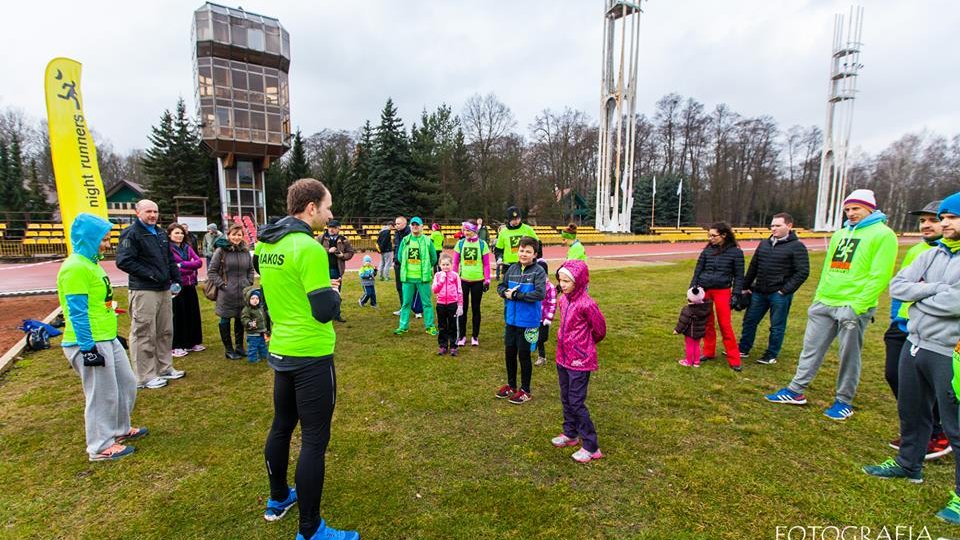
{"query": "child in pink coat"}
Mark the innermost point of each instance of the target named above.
(446, 285)
(547, 310)
(582, 326)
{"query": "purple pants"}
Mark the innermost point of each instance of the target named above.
(576, 417)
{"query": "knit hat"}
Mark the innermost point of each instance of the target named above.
(695, 295)
(863, 197)
(542, 263)
(930, 209)
(416, 221)
(513, 213)
(950, 205)
(367, 259)
(564, 272)
(211, 226)
(435, 226)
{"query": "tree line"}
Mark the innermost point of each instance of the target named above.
(476, 161)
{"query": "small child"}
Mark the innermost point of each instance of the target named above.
(446, 285)
(254, 319)
(367, 275)
(693, 325)
(582, 326)
(548, 308)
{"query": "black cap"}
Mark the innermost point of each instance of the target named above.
(333, 223)
(512, 213)
(930, 209)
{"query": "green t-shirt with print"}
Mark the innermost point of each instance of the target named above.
(472, 255)
(80, 276)
(509, 241)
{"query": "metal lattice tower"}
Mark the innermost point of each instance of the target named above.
(844, 67)
(618, 95)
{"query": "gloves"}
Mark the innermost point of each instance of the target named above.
(486, 286)
(176, 288)
(92, 357)
(735, 302)
(459, 311)
(547, 322)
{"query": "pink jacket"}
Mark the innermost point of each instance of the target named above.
(446, 285)
(582, 325)
(549, 304)
(189, 266)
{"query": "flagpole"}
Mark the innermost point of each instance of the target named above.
(653, 204)
(679, 200)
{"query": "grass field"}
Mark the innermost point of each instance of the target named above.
(422, 449)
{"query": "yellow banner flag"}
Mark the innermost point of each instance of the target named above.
(79, 187)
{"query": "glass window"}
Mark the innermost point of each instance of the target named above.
(241, 134)
(205, 81)
(273, 40)
(221, 77)
(238, 32)
(245, 172)
(246, 197)
(255, 39)
(239, 79)
(257, 106)
(273, 123)
(221, 30)
(286, 44)
(241, 118)
(220, 62)
(223, 117)
(256, 82)
(240, 96)
(273, 90)
(258, 120)
(204, 32)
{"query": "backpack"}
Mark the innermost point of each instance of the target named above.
(38, 334)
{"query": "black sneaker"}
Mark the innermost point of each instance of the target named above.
(766, 359)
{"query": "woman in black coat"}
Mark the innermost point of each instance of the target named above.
(720, 273)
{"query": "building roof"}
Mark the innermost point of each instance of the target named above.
(126, 184)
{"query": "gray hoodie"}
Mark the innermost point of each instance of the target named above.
(932, 283)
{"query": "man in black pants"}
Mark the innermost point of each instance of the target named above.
(401, 230)
(896, 334)
(295, 276)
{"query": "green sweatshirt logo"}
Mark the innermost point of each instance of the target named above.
(843, 256)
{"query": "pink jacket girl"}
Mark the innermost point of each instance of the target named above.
(187, 261)
(582, 325)
(446, 285)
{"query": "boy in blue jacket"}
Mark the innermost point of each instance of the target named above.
(523, 288)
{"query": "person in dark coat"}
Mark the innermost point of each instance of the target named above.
(778, 268)
(187, 326)
(339, 250)
(385, 247)
(401, 229)
(692, 325)
(720, 273)
(231, 270)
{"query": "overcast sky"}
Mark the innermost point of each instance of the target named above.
(757, 56)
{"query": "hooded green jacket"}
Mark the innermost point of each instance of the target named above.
(417, 256)
(859, 264)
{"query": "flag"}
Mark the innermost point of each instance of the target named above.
(79, 187)
(679, 187)
(654, 185)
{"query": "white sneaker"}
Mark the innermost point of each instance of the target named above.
(419, 315)
(178, 353)
(540, 361)
(474, 342)
(360, 302)
(173, 374)
(197, 348)
(397, 312)
(562, 440)
(154, 383)
(583, 456)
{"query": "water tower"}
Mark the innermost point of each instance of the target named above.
(241, 63)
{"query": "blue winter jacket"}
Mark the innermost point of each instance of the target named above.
(531, 288)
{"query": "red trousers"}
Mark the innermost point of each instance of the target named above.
(721, 303)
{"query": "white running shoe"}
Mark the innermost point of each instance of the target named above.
(173, 374)
(178, 353)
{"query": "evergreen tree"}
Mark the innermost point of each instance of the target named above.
(4, 175)
(334, 172)
(461, 170)
(12, 190)
(391, 179)
(176, 164)
(353, 196)
(37, 194)
(297, 165)
(275, 188)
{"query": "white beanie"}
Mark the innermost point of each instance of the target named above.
(564, 272)
(862, 196)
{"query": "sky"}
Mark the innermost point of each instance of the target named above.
(760, 57)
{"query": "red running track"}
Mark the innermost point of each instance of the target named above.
(35, 278)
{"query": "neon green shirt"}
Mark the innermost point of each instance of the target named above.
(290, 269)
(437, 238)
(417, 257)
(859, 265)
(80, 276)
(576, 251)
(472, 255)
(509, 241)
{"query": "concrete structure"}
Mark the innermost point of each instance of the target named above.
(241, 63)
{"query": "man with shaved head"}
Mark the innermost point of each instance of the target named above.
(144, 254)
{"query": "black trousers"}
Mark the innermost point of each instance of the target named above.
(472, 296)
(542, 340)
(396, 281)
(893, 340)
(516, 347)
(447, 325)
(306, 395)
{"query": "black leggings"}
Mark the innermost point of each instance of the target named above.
(515, 345)
(306, 395)
(471, 289)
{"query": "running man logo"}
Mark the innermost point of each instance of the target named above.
(470, 255)
(108, 299)
(515, 244)
(843, 256)
(413, 255)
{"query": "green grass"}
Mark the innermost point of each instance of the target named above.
(421, 449)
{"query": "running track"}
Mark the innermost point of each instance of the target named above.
(36, 278)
